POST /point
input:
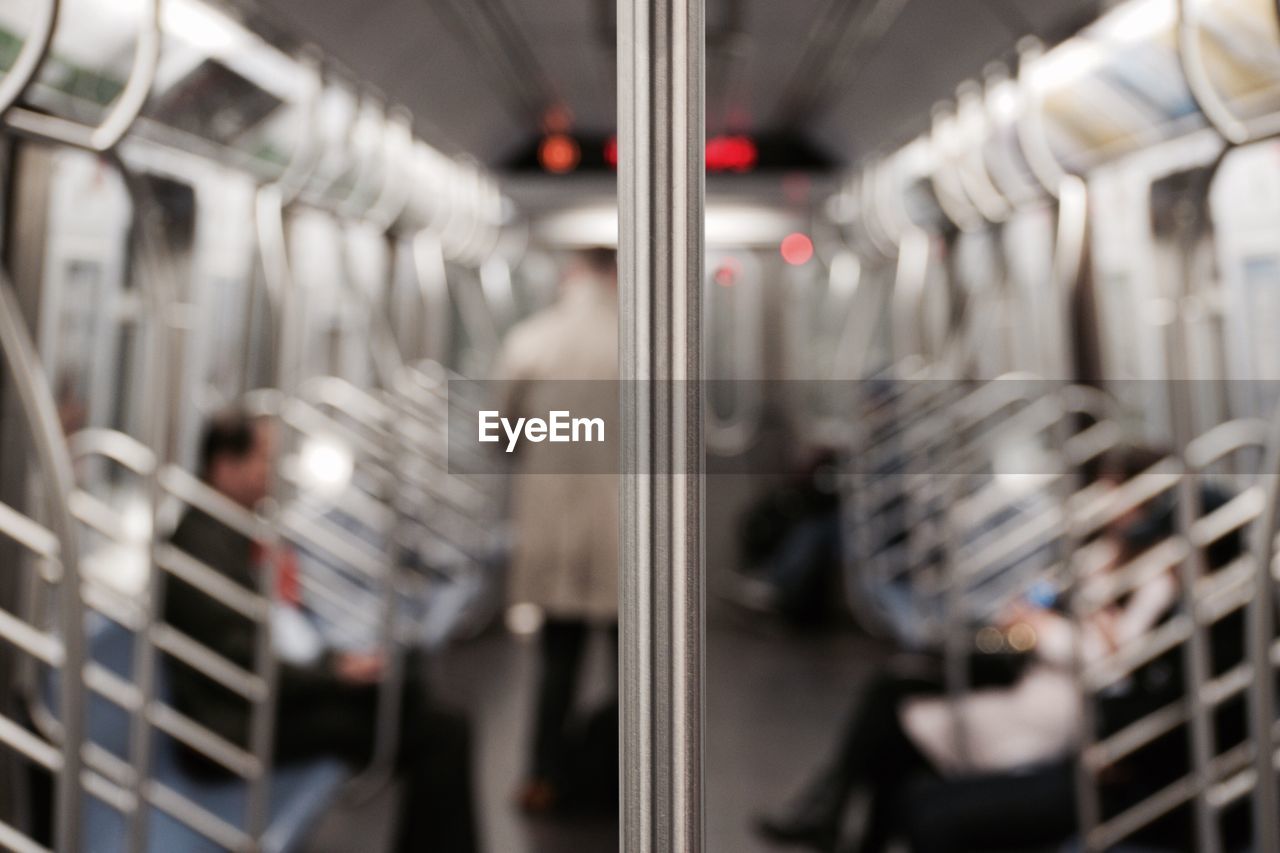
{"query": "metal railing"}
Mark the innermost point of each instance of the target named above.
(402, 422)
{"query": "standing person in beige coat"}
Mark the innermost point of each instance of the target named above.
(565, 498)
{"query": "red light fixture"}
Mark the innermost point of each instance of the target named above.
(558, 153)
(796, 249)
(724, 153)
(731, 154)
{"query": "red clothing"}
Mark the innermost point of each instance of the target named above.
(288, 583)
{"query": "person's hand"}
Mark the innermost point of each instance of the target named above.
(1108, 624)
(1014, 613)
(360, 667)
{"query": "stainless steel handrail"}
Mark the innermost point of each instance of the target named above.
(975, 177)
(51, 453)
(1235, 130)
(1031, 132)
(952, 199)
(123, 112)
(30, 58)
(1261, 630)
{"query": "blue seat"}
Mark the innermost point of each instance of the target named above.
(299, 792)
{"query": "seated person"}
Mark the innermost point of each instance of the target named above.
(791, 542)
(327, 707)
(902, 727)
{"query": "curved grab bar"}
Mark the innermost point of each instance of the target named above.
(908, 289)
(1032, 137)
(367, 184)
(975, 177)
(337, 97)
(469, 207)
(122, 114)
(1071, 241)
(1213, 106)
(393, 197)
(124, 450)
(953, 201)
(1011, 182)
(384, 351)
(489, 211)
(888, 207)
(432, 277)
(37, 404)
(30, 58)
(873, 224)
(460, 228)
(307, 154)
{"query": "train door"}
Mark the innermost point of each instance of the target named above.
(88, 311)
(1131, 304)
(1245, 204)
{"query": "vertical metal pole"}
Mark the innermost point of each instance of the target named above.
(50, 450)
(1196, 658)
(1070, 245)
(158, 346)
(1260, 625)
(660, 188)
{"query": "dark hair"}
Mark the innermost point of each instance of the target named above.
(1128, 461)
(227, 434)
(600, 259)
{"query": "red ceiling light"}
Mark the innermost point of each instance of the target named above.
(558, 153)
(724, 153)
(731, 154)
(796, 249)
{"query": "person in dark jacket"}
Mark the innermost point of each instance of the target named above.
(1000, 806)
(327, 706)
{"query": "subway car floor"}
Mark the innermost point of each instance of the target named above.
(774, 701)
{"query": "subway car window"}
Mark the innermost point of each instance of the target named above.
(660, 426)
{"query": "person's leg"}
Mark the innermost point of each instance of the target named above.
(801, 570)
(1008, 811)
(872, 736)
(321, 715)
(898, 763)
(317, 715)
(562, 644)
(434, 757)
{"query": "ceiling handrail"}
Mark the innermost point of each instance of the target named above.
(122, 113)
(30, 59)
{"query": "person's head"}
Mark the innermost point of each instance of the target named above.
(236, 455)
(1126, 462)
(73, 415)
(1144, 525)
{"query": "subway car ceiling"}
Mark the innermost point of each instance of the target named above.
(810, 84)
(799, 95)
(849, 78)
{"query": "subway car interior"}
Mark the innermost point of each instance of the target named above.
(933, 504)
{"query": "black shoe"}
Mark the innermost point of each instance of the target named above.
(822, 834)
(813, 821)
